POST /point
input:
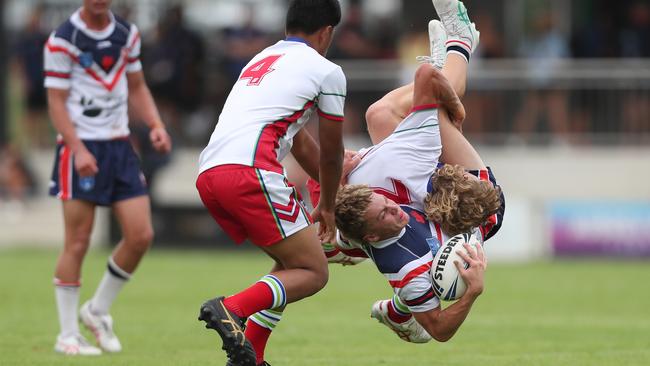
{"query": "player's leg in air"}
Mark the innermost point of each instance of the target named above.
(452, 41)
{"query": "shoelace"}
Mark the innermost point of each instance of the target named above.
(82, 341)
(435, 59)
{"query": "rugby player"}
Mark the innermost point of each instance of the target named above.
(92, 70)
(242, 183)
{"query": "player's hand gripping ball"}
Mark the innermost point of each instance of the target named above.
(447, 282)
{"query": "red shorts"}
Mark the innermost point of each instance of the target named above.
(252, 203)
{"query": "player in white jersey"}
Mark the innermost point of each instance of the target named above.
(92, 70)
(401, 248)
(242, 183)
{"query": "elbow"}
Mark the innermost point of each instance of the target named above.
(440, 335)
(378, 114)
(442, 338)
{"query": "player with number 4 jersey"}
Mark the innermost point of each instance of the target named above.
(243, 185)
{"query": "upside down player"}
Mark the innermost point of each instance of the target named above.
(379, 225)
(242, 182)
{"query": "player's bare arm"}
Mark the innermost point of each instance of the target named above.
(84, 162)
(443, 324)
(331, 163)
(306, 152)
(141, 102)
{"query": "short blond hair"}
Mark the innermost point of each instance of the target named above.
(459, 204)
(352, 203)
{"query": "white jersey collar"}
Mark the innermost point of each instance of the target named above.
(386, 242)
(351, 244)
(98, 35)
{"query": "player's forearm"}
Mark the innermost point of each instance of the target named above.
(442, 325)
(306, 152)
(330, 176)
(143, 105)
(61, 120)
(331, 166)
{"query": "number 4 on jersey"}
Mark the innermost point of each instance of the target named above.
(257, 71)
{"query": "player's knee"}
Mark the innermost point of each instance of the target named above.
(321, 276)
(425, 73)
(78, 246)
(141, 240)
(377, 114)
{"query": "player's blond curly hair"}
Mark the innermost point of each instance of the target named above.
(352, 203)
(459, 204)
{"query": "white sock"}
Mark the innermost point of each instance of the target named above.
(67, 302)
(110, 285)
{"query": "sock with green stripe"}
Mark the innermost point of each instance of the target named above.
(398, 311)
(259, 328)
(267, 293)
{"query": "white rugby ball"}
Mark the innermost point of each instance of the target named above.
(447, 283)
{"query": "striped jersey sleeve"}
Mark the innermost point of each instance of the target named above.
(331, 99)
(58, 62)
(133, 58)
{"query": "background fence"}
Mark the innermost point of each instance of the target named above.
(558, 103)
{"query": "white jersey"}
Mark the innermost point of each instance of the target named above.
(270, 102)
(400, 166)
(92, 65)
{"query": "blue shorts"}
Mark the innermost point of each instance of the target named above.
(119, 176)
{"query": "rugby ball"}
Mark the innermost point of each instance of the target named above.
(447, 283)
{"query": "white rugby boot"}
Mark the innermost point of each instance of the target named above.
(461, 32)
(334, 255)
(437, 45)
(409, 331)
(75, 345)
(102, 327)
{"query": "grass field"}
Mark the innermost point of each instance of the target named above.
(559, 313)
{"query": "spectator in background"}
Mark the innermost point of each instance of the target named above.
(242, 43)
(28, 63)
(635, 42)
(17, 182)
(174, 69)
(597, 37)
(544, 49)
(351, 40)
(635, 36)
(485, 110)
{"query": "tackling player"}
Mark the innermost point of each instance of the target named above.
(243, 185)
(92, 70)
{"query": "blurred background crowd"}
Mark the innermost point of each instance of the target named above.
(548, 74)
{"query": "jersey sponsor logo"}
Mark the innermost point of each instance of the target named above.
(89, 110)
(87, 184)
(86, 59)
(434, 244)
(104, 44)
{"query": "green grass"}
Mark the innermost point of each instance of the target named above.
(558, 313)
